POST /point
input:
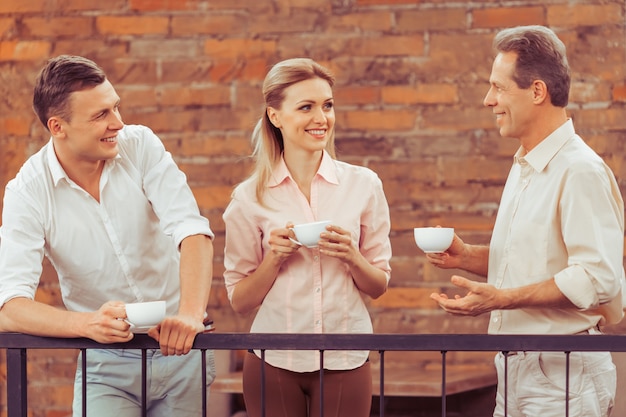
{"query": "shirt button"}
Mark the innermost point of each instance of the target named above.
(315, 258)
(317, 322)
(317, 290)
(495, 320)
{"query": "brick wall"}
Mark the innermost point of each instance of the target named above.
(411, 78)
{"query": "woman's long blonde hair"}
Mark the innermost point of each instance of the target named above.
(267, 139)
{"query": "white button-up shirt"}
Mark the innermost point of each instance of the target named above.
(124, 247)
(312, 293)
(561, 216)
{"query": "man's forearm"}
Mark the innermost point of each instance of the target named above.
(476, 259)
(196, 275)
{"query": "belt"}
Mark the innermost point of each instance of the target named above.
(592, 330)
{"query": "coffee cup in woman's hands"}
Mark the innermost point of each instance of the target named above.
(308, 234)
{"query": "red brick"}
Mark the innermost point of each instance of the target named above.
(99, 51)
(607, 61)
(194, 95)
(161, 5)
(22, 6)
(507, 16)
(208, 197)
(7, 28)
(452, 55)
(255, 69)
(383, 2)
(151, 48)
(144, 97)
(420, 94)
(619, 93)
(403, 297)
(238, 47)
(361, 21)
(377, 120)
(89, 5)
(228, 144)
(589, 92)
(569, 15)
(196, 5)
(462, 119)
(458, 170)
(58, 26)
(132, 25)
(24, 50)
(52, 395)
(431, 20)
(352, 94)
(299, 21)
(610, 119)
(215, 172)
(386, 46)
(131, 71)
(316, 5)
(18, 126)
(207, 24)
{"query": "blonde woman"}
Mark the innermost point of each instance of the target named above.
(296, 289)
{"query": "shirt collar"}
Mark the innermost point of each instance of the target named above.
(542, 154)
(56, 170)
(327, 170)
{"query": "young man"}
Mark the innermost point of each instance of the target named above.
(555, 261)
(107, 205)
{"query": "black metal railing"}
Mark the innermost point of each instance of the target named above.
(17, 345)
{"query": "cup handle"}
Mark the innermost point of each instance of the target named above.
(292, 239)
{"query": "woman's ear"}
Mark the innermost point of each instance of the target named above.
(273, 117)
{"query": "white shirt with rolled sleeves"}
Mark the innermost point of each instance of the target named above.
(124, 247)
(562, 216)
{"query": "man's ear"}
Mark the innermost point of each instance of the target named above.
(271, 114)
(55, 126)
(540, 91)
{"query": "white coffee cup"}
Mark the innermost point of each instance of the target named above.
(308, 234)
(433, 239)
(146, 314)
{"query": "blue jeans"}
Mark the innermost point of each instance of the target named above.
(114, 383)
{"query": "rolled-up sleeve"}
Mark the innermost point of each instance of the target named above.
(167, 189)
(593, 232)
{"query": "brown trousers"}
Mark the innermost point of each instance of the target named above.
(297, 394)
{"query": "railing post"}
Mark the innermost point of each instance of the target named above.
(381, 394)
(144, 382)
(506, 383)
(263, 405)
(321, 383)
(17, 384)
(83, 378)
(567, 384)
(203, 366)
(444, 395)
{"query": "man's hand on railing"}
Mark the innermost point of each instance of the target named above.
(176, 334)
(107, 325)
